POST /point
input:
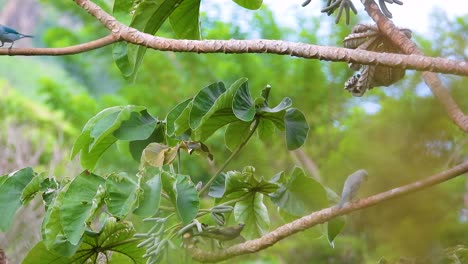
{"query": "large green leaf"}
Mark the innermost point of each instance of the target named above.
(138, 127)
(249, 4)
(52, 229)
(148, 203)
(219, 115)
(236, 133)
(110, 239)
(122, 194)
(218, 187)
(148, 17)
(33, 187)
(242, 104)
(79, 204)
(254, 214)
(181, 123)
(296, 128)
(174, 114)
(298, 194)
(10, 195)
(185, 20)
(39, 254)
(187, 201)
(204, 101)
(183, 195)
(98, 134)
(136, 147)
(266, 130)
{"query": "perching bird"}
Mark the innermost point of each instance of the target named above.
(351, 186)
(10, 35)
(222, 233)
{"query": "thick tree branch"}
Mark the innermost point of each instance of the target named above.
(442, 94)
(95, 44)
(302, 50)
(322, 216)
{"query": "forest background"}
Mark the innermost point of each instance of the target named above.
(398, 134)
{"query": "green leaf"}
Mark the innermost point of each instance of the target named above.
(148, 203)
(242, 105)
(136, 147)
(334, 227)
(181, 124)
(218, 187)
(277, 118)
(187, 201)
(185, 20)
(122, 194)
(298, 194)
(183, 195)
(254, 214)
(236, 133)
(283, 105)
(79, 204)
(122, 10)
(174, 114)
(138, 127)
(33, 187)
(204, 101)
(236, 183)
(249, 4)
(109, 241)
(3, 178)
(148, 18)
(39, 254)
(98, 134)
(219, 115)
(10, 195)
(52, 230)
(296, 128)
(266, 130)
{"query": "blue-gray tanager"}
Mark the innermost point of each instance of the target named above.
(10, 35)
(351, 186)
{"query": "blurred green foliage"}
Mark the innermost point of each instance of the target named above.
(407, 138)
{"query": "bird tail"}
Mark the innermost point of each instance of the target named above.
(342, 201)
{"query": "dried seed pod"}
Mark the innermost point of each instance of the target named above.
(368, 37)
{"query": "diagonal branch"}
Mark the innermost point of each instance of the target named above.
(323, 216)
(442, 94)
(303, 50)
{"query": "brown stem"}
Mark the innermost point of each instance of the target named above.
(95, 44)
(323, 216)
(442, 94)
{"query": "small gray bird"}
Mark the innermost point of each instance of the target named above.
(351, 186)
(10, 35)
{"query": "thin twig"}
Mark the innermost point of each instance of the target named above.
(230, 158)
(92, 45)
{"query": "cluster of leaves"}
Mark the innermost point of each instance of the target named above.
(88, 214)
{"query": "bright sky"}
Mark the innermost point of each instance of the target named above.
(412, 14)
